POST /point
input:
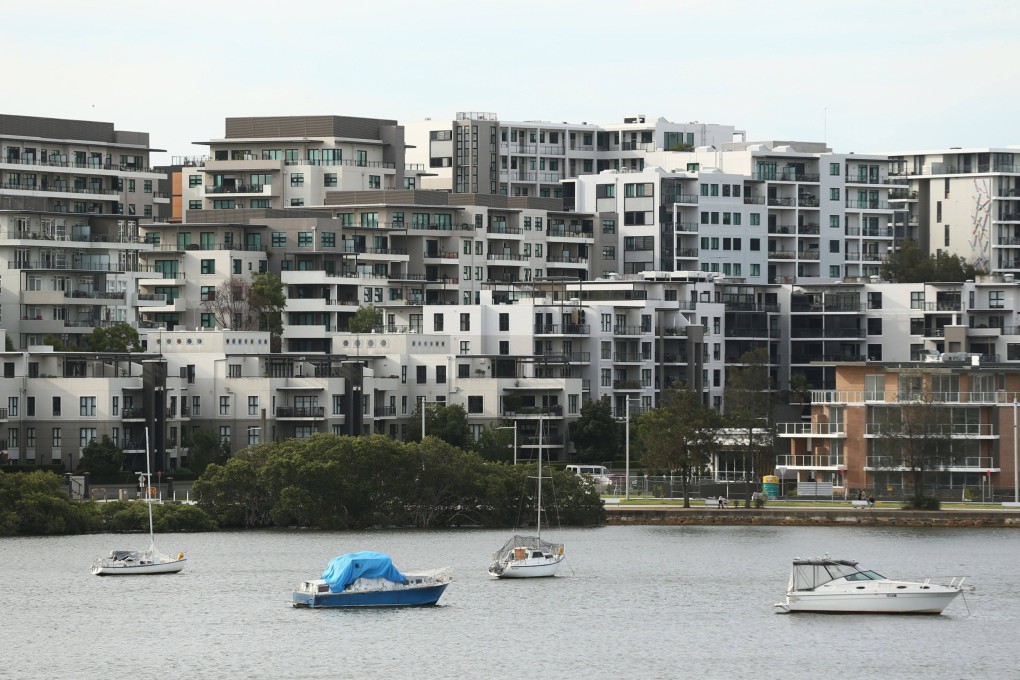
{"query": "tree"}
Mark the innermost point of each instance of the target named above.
(101, 457)
(914, 436)
(596, 434)
(909, 264)
(448, 423)
(680, 435)
(121, 337)
(364, 320)
(749, 406)
(496, 444)
(249, 306)
(206, 448)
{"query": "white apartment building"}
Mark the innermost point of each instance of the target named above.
(71, 197)
(292, 161)
(480, 154)
(962, 201)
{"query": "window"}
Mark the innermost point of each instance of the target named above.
(834, 221)
(834, 169)
(304, 239)
(297, 179)
(207, 320)
(328, 239)
(474, 404)
(874, 300)
(329, 179)
(875, 326)
(917, 299)
(207, 294)
(279, 239)
(605, 191)
(86, 406)
(224, 405)
(754, 244)
(504, 347)
(297, 202)
(196, 406)
(194, 181)
(374, 182)
(504, 322)
(440, 375)
(834, 194)
(420, 375)
(609, 253)
(86, 435)
(225, 435)
(195, 205)
(996, 299)
(465, 322)
(208, 266)
(755, 219)
(253, 405)
(834, 246)
(608, 226)
(465, 347)
(437, 323)
(56, 406)
(755, 270)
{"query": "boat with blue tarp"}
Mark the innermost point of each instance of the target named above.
(369, 579)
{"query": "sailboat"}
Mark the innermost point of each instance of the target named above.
(139, 562)
(529, 556)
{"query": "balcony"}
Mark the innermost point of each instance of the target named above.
(625, 329)
(952, 430)
(626, 384)
(562, 329)
(811, 461)
(810, 430)
(867, 205)
(630, 357)
(299, 412)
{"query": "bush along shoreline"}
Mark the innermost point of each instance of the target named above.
(324, 482)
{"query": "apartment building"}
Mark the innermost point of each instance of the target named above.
(479, 154)
(293, 161)
(72, 194)
(773, 212)
(962, 201)
(967, 403)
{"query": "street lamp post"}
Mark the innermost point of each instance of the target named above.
(514, 428)
(1016, 473)
(626, 469)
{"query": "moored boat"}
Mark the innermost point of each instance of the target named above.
(369, 579)
(826, 585)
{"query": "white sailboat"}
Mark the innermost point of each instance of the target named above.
(140, 562)
(529, 556)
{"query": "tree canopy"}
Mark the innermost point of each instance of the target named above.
(909, 264)
(121, 337)
(101, 457)
(750, 403)
(596, 433)
(680, 435)
(448, 423)
(364, 320)
(204, 449)
(340, 482)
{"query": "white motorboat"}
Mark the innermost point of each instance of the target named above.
(140, 562)
(827, 585)
(529, 556)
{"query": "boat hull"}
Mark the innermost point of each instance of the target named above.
(395, 597)
(871, 603)
(530, 568)
(172, 567)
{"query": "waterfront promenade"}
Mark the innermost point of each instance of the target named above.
(776, 513)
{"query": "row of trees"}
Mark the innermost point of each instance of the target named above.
(341, 482)
(37, 504)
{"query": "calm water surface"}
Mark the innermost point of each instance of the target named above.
(631, 602)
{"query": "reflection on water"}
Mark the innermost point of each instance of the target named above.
(649, 602)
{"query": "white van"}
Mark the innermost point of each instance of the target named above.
(598, 474)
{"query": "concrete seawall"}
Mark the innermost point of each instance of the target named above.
(671, 515)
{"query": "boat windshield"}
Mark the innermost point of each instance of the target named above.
(865, 576)
(809, 574)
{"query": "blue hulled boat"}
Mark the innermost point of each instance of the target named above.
(369, 579)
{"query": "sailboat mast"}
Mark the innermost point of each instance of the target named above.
(538, 526)
(148, 482)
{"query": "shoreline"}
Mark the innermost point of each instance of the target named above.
(661, 515)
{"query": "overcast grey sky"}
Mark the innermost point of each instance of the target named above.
(864, 75)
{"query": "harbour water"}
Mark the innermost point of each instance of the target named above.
(631, 602)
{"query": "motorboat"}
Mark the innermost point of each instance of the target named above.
(828, 585)
(369, 579)
(528, 556)
(141, 562)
